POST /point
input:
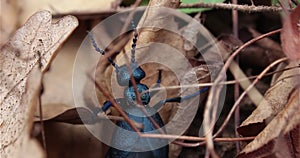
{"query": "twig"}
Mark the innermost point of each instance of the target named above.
(193, 138)
(237, 116)
(163, 136)
(243, 8)
(230, 59)
(221, 83)
(235, 19)
(139, 101)
(235, 31)
(115, 105)
(40, 103)
(131, 14)
(42, 122)
(118, 118)
(214, 94)
(244, 93)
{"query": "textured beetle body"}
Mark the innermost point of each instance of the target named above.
(134, 145)
(133, 142)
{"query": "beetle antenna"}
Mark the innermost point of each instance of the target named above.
(102, 52)
(134, 40)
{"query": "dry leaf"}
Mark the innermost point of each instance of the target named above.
(290, 35)
(33, 44)
(66, 140)
(17, 114)
(282, 146)
(57, 82)
(63, 7)
(267, 43)
(67, 114)
(37, 38)
(277, 131)
(228, 43)
(280, 107)
(274, 101)
(8, 19)
(263, 53)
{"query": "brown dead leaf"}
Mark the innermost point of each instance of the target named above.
(274, 101)
(33, 44)
(281, 129)
(267, 43)
(67, 114)
(8, 19)
(263, 53)
(290, 35)
(228, 43)
(282, 146)
(280, 107)
(37, 38)
(63, 7)
(57, 82)
(17, 113)
(71, 141)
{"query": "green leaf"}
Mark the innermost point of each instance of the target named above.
(275, 2)
(195, 10)
(131, 2)
(144, 2)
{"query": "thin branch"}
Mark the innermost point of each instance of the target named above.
(245, 92)
(134, 84)
(193, 138)
(226, 65)
(102, 116)
(131, 14)
(214, 94)
(221, 83)
(235, 30)
(243, 8)
(42, 122)
(40, 104)
(115, 105)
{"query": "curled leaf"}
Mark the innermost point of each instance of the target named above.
(280, 131)
(274, 101)
(290, 35)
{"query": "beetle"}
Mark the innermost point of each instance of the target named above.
(135, 145)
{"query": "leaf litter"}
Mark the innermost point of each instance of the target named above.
(33, 45)
(277, 118)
